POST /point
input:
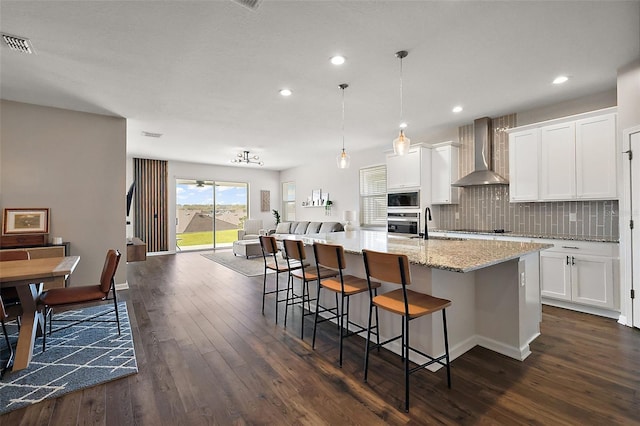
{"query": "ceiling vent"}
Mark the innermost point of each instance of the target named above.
(19, 44)
(151, 135)
(249, 4)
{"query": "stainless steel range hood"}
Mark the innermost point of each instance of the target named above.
(482, 146)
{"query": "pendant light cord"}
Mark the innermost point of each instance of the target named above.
(401, 111)
(342, 87)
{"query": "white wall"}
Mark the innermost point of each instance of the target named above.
(341, 184)
(258, 179)
(74, 164)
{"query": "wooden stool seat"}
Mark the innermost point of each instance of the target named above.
(419, 303)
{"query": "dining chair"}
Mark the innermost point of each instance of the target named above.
(394, 268)
(3, 317)
(57, 298)
(331, 256)
(10, 294)
(270, 252)
(295, 252)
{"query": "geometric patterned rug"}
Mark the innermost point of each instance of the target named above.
(78, 357)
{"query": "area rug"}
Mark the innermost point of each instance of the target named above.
(78, 357)
(251, 267)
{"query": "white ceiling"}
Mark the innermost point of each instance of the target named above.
(206, 74)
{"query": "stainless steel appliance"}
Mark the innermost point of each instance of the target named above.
(406, 222)
(403, 200)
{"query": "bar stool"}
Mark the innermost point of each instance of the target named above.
(294, 251)
(269, 254)
(394, 268)
(331, 256)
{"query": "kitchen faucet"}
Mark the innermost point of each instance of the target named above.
(427, 216)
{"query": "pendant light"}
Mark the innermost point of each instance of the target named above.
(343, 159)
(401, 143)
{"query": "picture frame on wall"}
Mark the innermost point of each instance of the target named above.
(265, 200)
(25, 221)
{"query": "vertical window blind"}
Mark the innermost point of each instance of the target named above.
(373, 196)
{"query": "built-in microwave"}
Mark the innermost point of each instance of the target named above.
(403, 200)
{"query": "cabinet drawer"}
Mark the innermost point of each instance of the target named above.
(584, 247)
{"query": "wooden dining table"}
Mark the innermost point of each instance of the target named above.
(28, 277)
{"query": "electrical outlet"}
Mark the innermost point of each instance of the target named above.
(572, 217)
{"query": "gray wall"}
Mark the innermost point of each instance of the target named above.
(73, 163)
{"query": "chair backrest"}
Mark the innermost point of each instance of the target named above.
(14, 255)
(329, 255)
(268, 244)
(109, 270)
(294, 249)
(388, 267)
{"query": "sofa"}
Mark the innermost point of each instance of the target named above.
(305, 228)
(251, 230)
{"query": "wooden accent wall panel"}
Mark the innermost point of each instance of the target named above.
(151, 217)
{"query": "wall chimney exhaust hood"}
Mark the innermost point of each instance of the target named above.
(482, 147)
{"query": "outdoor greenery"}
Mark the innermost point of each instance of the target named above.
(206, 237)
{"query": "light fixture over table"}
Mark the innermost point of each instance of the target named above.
(244, 157)
(402, 143)
(343, 159)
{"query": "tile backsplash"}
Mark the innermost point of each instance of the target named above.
(488, 207)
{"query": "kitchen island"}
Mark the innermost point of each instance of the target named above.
(494, 287)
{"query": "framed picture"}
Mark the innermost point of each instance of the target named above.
(265, 201)
(25, 221)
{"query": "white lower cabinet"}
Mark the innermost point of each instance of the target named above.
(579, 273)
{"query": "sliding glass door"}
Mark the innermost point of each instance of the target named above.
(209, 213)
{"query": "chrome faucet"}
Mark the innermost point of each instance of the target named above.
(427, 216)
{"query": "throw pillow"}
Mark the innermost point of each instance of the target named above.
(283, 228)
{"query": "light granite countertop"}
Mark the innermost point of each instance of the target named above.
(599, 239)
(457, 255)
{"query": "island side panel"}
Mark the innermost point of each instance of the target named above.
(507, 306)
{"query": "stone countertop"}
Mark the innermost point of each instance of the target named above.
(457, 255)
(598, 239)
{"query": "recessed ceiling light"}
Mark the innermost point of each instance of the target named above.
(285, 92)
(338, 60)
(560, 79)
(457, 109)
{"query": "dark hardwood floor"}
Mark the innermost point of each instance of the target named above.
(206, 355)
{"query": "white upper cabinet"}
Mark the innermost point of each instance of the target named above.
(403, 171)
(596, 158)
(565, 159)
(444, 171)
(557, 162)
(523, 170)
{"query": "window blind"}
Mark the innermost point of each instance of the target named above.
(373, 196)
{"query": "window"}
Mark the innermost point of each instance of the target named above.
(288, 201)
(373, 196)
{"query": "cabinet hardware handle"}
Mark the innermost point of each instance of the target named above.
(567, 260)
(573, 260)
(571, 247)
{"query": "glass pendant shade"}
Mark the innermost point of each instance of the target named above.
(401, 144)
(343, 159)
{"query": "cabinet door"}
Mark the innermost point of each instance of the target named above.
(523, 165)
(403, 171)
(555, 276)
(557, 162)
(444, 170)
(596, 158)
(592, 280)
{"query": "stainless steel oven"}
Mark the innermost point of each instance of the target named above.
(407, 222)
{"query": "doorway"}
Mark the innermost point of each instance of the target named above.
(209, 213)
(632, 137)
